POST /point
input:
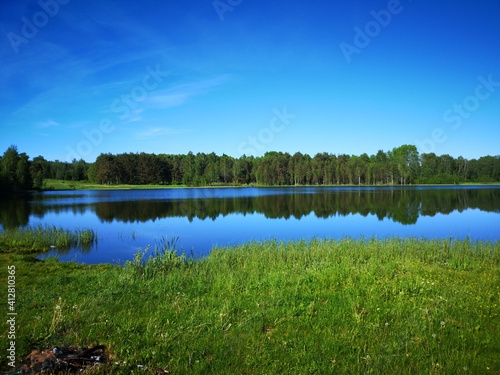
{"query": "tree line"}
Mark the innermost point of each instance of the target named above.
(19, 173)
(400, 166)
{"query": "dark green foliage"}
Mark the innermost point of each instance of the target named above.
(404, 206)
(15, 171)
(18, 173)
(77, 170)
(401, 166)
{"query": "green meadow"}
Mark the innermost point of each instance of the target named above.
(397, 306)
(49, 184)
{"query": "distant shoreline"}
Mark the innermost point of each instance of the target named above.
(62, 185)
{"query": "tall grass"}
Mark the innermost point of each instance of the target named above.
(41, 238)
(308, 307)
(160, 261)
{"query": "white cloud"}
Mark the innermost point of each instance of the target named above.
(157, 131)
(168, 100)
(47, 124)
(133, 116)
(180, 94)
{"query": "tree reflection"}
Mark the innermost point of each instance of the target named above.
(404, 206)
(14, 212)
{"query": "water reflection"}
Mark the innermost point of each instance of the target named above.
(403, 206)
(15, 212)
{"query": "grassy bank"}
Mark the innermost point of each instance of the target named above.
(85, 185)
(41, 238)
(343, 307)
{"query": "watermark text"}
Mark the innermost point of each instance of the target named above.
(277, 124)
(122, 107)
(372, 29)
(458, 112)
(30, 27)
(11, 315)
(223, 6)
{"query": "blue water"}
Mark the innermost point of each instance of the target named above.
(126, 220)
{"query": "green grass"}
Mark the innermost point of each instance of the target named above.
(344, 307)
(85, 185)
(41, 238)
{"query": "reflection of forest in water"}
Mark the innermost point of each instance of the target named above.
(400, 205)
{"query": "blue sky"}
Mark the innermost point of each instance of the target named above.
(81, 78)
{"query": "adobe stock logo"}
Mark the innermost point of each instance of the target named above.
(223, 6)
(372, 29)
(122, 107)
(458, 112)
(266, 135)
(40, 19)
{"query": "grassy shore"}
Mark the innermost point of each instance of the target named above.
(85, 185)
(345, 307)
(41, 238)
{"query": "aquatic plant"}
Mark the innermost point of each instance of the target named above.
(42, 238)
(161, 260)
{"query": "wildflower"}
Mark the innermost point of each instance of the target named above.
(386, 324)
(442, 324)
(434, 335)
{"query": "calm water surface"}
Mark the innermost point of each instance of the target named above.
(200, 219)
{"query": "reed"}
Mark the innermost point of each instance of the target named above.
(149, 264)
(42, 238)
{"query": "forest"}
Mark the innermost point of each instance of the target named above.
(400, 166)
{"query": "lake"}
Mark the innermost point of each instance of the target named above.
(201, 218)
